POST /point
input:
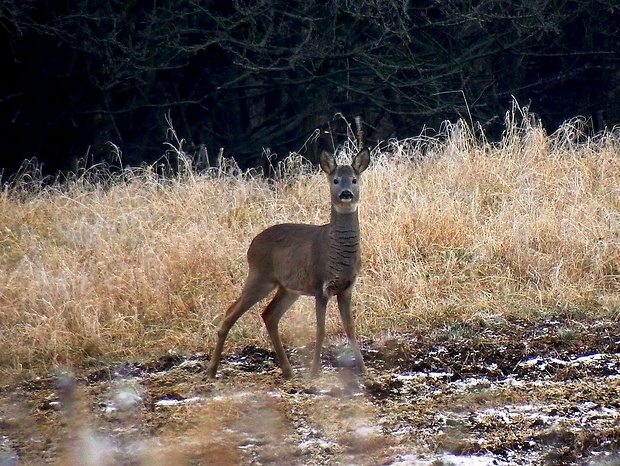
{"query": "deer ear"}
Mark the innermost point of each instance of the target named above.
(361, 160)
(327, 161)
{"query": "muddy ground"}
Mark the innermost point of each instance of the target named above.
(519, 392)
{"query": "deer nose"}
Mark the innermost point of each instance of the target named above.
(346, 195)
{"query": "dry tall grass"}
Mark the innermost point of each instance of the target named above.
(453, 229)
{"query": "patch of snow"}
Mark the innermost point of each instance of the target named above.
(108, 409)
(124, 396)
(611, 360)
(588, 359)
(591, 414)
(448, 460)
(233, 395)
(311, 438)
(54, 405)
(510, 381)
(498, 415)
(604, 458)
(127, 397)
(367, 431)
(321, 443)
(471, 384)
(542, 363)
(439, 350)
(190, 363)
(169, 402)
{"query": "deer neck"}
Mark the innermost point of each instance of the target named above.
(343, 251)
(343, 224)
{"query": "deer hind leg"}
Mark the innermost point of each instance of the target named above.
(344, 305)
(253, 291)
(272, 314)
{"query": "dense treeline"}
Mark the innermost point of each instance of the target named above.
(257, 75)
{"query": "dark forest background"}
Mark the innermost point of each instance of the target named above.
(260, 76)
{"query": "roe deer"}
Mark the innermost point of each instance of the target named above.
(320, 261)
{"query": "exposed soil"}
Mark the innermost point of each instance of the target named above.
(519, 392)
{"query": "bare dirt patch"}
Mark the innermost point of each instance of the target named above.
(520, 392)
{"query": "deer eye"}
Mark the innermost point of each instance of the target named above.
(336, 181)
(354, 181)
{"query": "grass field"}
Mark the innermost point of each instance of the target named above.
(105, 266)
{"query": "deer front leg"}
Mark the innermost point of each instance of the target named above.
(321, 307)
(344, 305)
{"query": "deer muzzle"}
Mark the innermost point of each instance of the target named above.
(346, 195)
